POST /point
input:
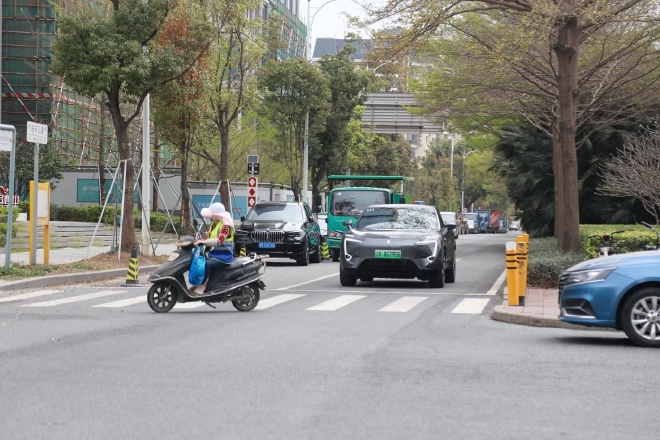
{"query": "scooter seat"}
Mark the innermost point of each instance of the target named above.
(238, 262)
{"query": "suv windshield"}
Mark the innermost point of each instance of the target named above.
(397, 218)
(348, 202)
(277, 212)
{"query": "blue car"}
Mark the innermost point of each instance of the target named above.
(619, 291)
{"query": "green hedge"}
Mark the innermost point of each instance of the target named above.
(5, 210)
(633, 240)
(547, 262)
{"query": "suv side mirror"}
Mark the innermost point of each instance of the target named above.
(348, 224)
(450, 226)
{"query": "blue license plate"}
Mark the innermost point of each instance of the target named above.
(266, 245)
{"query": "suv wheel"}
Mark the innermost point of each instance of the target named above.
(304, 258)
(345, 280)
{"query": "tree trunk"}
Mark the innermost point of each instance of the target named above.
(224, 166)
(567, 61)
(557, 170)
(128, 239)
(186, 215)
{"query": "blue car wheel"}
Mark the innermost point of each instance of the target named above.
(640, 317)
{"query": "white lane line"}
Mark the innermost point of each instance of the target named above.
(72, 299)
(189, 305)
(473, 306)
(279, 299)
(307, 282)
(337, 303)
(422, 290)
(493, 290)
(124, 302)
(28, 295)
(459, 259)
(403, 304)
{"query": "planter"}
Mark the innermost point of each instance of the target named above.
(22, 217)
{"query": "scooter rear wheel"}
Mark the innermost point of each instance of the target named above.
(161, 297)
(246, 305)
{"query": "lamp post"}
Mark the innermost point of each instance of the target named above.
(451, 159)
(465, 154)
(308, 52)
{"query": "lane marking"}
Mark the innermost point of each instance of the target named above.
(496, 287)
(459, 259)
(412, 291)
(308, 282)
(275, 300)
(337, 303)
(29, 295)
(473, 306)
(189, 305)
(403, 304)
(124, 302)
(73, 299)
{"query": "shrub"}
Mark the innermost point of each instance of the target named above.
(24, 206)
(5, 210)
(3, 233)
(547, 262)
(633, 240)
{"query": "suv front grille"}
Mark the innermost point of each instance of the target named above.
(267, 236)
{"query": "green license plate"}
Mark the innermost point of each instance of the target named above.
(388, 254)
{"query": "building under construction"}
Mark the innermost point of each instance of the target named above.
(79, 128)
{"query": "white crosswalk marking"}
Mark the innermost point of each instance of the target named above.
(189, 305)
(72, 299)
(403, 304)
(29, 295)
(275, 300)
(124, 302)
(472, 306)
(337, 303)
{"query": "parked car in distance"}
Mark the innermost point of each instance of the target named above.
(514, 225)
(620, 291)
(398, 241)
(449, 218)
(281, 229)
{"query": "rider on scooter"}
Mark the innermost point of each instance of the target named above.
(220, 242)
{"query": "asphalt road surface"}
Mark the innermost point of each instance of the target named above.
(381, 360)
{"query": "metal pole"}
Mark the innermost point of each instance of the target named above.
(123, 197)
(1, 18)
(10, 204)
(146, 176)
(306, 155)
(35, 213)
(451, 166)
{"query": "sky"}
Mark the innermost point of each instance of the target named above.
(329, 21)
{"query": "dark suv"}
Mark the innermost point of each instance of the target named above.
(281, 229)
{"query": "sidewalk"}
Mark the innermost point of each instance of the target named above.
(69, 255)
(541, 309)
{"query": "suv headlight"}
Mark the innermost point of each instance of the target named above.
(298, 233)
(588, 276)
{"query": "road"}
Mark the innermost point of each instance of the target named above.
(382, 360)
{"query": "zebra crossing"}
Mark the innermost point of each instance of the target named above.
(402, 304)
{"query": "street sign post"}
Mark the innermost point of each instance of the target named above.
(253, 164)
(8, 143)
(253, 183)
(37, 133)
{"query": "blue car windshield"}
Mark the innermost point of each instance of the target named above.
(397, 218)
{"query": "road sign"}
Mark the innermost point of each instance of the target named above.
(37, 133)
(252, 189)
(253, 164)
(6, 140)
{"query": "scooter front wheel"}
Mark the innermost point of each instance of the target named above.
(161, 297)
(245, 305)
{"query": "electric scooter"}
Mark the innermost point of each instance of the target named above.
(239, 283)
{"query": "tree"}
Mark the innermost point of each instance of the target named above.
(238, 51)
(293, 88)
(51, 165)
(180, 106)
(114, 53)
(544, 45)
(635, 172)
(327, 150)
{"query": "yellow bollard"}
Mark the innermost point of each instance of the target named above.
(132, 275)
(242, 252)
(512, 272)
(325, 252)
(522, 245)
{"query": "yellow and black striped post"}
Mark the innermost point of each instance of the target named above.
(325, 252)
(132, 275)
(242, 251)
(522, 244)
(512, 272)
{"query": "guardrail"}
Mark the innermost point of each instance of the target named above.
(516, 269)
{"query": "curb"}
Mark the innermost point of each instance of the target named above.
(533, 320)
(71, 278)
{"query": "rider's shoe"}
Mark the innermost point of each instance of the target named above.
(199, 290)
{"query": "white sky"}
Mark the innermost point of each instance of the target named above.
(329, 21)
